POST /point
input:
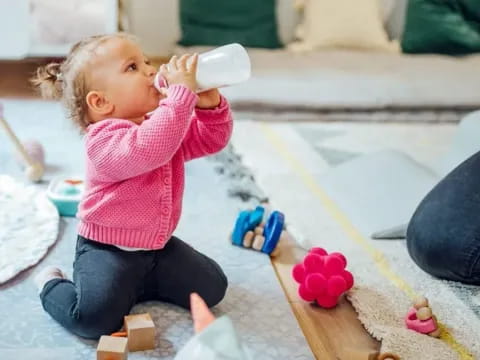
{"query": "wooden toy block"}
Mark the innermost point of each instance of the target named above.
(388, 356)
(258, 242)
(358, 354)
(248, 239)
(112, 348)
(275, 252)
(140, 331)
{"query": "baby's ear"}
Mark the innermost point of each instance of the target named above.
(98, 103)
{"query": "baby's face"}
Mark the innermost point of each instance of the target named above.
(122, 72)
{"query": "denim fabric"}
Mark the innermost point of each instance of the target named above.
(443, 236)
(108, 282)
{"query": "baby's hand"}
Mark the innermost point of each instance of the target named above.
(181, 71)
(209, 99)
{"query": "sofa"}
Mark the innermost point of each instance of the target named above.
(363, 84)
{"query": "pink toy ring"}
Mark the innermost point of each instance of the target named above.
(421, 326)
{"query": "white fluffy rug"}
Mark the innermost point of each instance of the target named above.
(28, 226)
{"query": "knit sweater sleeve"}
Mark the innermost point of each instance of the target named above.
(209, 131)
(120, 149)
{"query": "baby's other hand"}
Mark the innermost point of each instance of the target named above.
(181, 71)
(209, 99)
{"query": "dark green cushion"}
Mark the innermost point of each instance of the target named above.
(442, 26)
(218, 22)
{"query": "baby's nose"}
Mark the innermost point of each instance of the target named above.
(150, 71)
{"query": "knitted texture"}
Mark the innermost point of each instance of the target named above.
(135, 173)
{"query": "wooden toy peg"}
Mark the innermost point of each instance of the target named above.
(388, 356)
(420, 302)
(112, 348)
(258, 230)
(248, 239)
(258, 242)
(140, 331)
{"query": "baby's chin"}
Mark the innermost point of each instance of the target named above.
(153, 104)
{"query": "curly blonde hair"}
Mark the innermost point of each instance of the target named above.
(67, 81)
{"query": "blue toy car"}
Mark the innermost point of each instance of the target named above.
(251, 232)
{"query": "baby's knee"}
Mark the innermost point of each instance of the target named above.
(215, 289)
(94, 321)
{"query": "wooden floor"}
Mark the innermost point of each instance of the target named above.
(329, 332)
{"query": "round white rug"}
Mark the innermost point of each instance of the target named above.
(28, 226)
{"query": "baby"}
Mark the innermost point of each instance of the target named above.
(137, 140)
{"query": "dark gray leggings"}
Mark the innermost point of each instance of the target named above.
(108, 282)
(443, 236)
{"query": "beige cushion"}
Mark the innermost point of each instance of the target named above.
(354, 24)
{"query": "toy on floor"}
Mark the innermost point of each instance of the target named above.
(322, 277)
(112, 348)
(140, 332)
(356, 354)
(31, 153)
(251, 232)
(421, 319)
(139, 335)
(66, 193)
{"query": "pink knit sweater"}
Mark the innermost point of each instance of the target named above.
(135, 173)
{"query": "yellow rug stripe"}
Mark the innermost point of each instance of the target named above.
(377, 256)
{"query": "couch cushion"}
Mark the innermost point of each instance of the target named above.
(343, 24)
(445, 27)
(212, 22)
(359, 80)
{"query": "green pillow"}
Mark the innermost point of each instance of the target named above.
(218, 22)
(442, 26)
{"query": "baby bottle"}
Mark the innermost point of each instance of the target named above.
(224, 66)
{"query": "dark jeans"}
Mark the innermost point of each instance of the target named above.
(443, 236)
(108, 282)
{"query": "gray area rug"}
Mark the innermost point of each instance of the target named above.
(255, 300)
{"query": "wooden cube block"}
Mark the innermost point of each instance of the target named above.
(112, 348)
(140, 331)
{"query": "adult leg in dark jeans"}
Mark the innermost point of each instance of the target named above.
(443, 236)
(180, 270)
(107, 283)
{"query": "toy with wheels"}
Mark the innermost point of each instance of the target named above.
(322, 277)
(251, 232)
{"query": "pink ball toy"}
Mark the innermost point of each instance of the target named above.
(322, 277)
